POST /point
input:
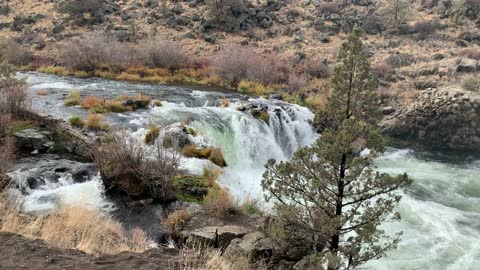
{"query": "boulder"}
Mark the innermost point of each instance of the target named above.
(178, 9)
(178, 135)
(311, 262)
(467, 65)
(388, 110)
(216, 236)
(58, 28)
(255, 246)
(32, 139)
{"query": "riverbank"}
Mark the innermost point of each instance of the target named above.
(199, 77)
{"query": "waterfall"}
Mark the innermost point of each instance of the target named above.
(440, 210)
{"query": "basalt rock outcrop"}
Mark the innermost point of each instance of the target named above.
(447, 118)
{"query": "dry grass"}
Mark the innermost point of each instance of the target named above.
(42, 93)
(211, 153)
(116, 106)
(175, 222)
(56, 70)
(219, 201)
(210, 175)
(73, 99)
(152, 134)
(224, 102)
(92, 102)
(251, 206)
(94, 122)
(316, 102)
(254, 88)
(73, 227)
(209, 259)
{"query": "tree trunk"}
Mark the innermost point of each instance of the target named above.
(335, 241)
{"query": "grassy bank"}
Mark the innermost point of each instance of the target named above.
(201, 77)
(141, 74)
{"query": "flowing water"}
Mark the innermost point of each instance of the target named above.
(440, 211)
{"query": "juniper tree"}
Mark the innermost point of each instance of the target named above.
(328, 196)
(395, 12)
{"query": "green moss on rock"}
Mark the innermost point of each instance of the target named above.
(190, 188)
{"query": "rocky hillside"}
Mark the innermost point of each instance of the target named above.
(303, 30)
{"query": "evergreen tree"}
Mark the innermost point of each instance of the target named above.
(395, 12)
(329, 197)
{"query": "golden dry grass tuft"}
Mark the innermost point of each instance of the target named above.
(92, 102)
(175, 222)
(213, 154)
(73, 227)
(219, 202)
(210, 175)
(152, 134)
(190, 259)
(42, 93)
(94, 122)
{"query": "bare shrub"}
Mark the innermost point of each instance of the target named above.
(329, 8)
(318, 68)
(424, 29)
(385, 93)
(430, 3)
(147, 170)
(175, 223)
(296, 83)
(5, 121)
(99, 50)
(83, 12)
(165, 54)
(471, 84)
(13, 92)
(400, 60)
(372, 24)
(383, 71)
(224, 12)
(470, 53)
(72, 227)
(235, 63)
(473, 8)
(14, 53)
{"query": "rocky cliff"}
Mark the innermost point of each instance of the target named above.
(446, 118)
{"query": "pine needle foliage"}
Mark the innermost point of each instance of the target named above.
(329, 197)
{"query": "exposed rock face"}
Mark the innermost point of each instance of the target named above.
(467, 65)
(217, 236)
(177, 135)
(33, 139)
(255, 246)
(69, 140)
(439, 118)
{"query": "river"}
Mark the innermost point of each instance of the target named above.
(440, 211)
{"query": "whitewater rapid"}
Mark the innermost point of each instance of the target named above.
(440, 211)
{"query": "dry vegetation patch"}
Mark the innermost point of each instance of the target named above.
(73, 227)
